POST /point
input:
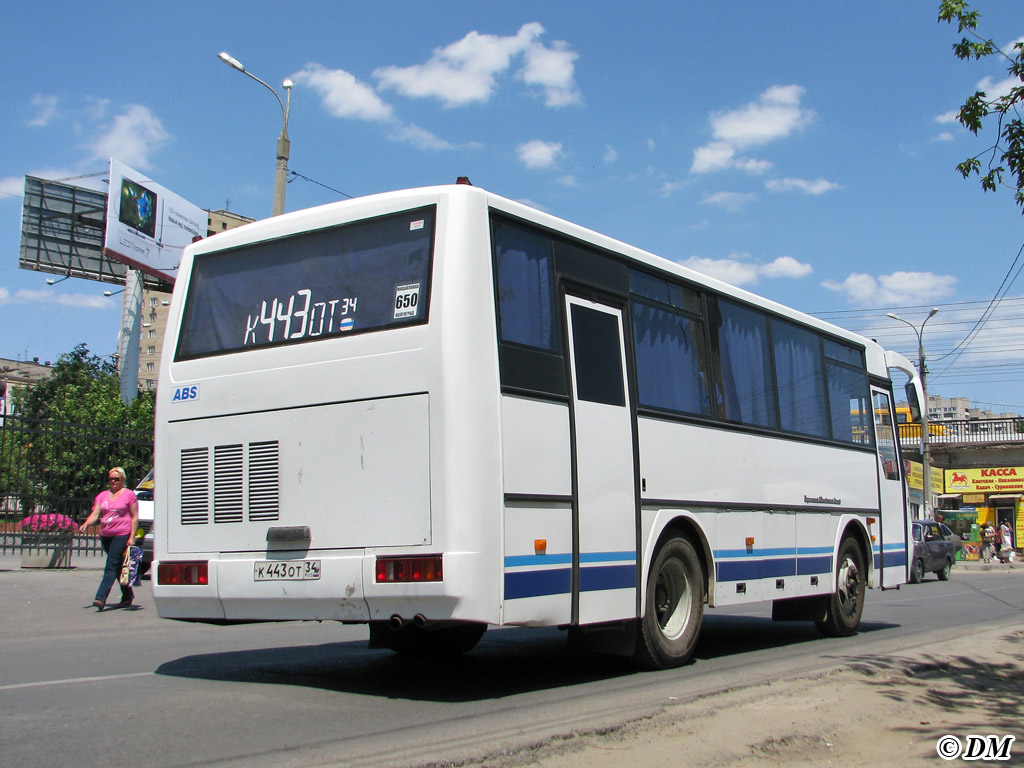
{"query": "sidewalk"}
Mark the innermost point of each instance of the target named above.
(981, 565)
(78, 562)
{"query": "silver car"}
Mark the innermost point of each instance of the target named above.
(934, 550)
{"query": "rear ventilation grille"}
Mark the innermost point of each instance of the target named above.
(264, 489)
(195, 486)
(246, 482)
(227, 483)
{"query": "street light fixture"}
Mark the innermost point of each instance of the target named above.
(925, 459)
(283, 144)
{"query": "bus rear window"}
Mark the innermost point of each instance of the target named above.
(360, 277)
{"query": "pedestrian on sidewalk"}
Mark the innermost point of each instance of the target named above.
(988, 542)
(1005, 538)
(117, 509)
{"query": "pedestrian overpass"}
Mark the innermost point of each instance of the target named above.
(969, 442)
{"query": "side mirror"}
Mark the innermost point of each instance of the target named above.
(913, 402)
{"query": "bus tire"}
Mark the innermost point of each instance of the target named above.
(674, 607)
(846, 604)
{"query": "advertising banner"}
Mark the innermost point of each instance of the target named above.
(147, 224)
(915, 477)
(985, 480)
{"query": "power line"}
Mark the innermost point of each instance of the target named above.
(296, 174)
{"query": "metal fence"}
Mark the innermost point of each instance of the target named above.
(966, 431)
(50, 471)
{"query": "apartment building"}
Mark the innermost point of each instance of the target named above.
(155, 306)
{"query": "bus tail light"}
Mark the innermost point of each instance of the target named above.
(391, 570)
(179, 574)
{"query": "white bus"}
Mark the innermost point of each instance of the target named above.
(438, 409)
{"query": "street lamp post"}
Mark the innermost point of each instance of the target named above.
(283, 144)
(926, 469)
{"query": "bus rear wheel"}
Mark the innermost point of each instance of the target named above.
(846, 603)
(674, 607)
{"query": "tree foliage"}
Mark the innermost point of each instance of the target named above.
(1001, 164)
(72, 426)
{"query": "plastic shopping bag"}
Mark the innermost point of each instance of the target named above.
(130, 568)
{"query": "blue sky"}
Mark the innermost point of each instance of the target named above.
(803, 150)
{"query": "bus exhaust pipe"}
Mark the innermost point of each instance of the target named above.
(396, 622)
(420, 620)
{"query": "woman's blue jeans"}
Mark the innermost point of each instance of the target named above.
(114, 546)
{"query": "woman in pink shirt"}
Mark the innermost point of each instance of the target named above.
(117, 509)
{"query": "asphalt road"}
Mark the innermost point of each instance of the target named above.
(83, 688)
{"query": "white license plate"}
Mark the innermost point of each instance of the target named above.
(286, 570)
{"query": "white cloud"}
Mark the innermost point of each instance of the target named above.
(540, 154)
(731, 201)
(776, 114)
(753, 167)
(568, 180)
(554, 70)
(610, 154)
(947, 117)
(900, 288)
(419, 137)
(732, 270)
(342, 95)
(53, 296)
(132, 137)
(715, 156)
(997, 89)
(817, 187)
(944, 136)
(12, 186)
(786, 266)
(46, 108)
(466, 71)
(738, 269)
(669, 188)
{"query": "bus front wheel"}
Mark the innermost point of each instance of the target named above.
(674, 607)
(846, 603)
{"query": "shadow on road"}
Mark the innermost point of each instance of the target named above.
(992, 688)
(505, 663)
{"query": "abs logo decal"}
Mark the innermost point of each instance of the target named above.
(186, 394)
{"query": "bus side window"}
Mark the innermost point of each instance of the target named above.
(524, 270)
(885, 438)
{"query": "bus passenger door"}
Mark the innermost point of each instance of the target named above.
(891, 545)
(604, 478)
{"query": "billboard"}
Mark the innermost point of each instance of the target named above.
(985, 480)
(148, 225)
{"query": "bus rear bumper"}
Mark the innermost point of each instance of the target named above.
(239, 588)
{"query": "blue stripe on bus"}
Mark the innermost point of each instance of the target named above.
(564, 558)
(607, 577)
(744, 566)
(814, 565)
(536, 583)
(558, 581)
(893, 559)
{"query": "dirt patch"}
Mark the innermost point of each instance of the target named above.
(883, 711)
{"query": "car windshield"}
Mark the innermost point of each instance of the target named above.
(144, 490)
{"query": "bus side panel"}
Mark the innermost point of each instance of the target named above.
(537, 479)
(719, 467)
